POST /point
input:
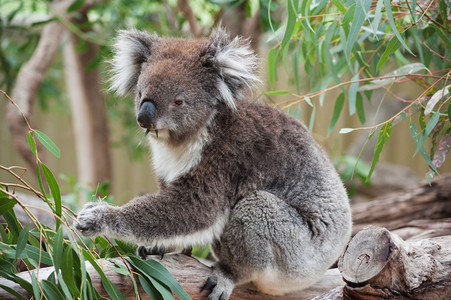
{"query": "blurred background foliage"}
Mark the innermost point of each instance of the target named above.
(323, 61)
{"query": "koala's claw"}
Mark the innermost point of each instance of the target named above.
(90, 219)
(221, 286)
(143, 251)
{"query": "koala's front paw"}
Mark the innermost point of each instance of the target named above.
(91, 219)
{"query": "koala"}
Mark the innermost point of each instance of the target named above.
(236, 174)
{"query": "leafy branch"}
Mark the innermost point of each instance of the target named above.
(63, 247)
(349, 44)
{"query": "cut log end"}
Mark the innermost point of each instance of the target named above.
(366, 256)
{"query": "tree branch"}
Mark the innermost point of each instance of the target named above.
(188, 13)
(26, 87)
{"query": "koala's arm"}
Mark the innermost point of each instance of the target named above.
(175, 217)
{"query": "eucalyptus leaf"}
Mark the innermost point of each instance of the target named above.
(384, 135)
(443, 93)
(55, 190)
(22, 240)
(156, 270)
(391, 21)
(111, 289)
(336, 113)
(6, 204)
(47, 143)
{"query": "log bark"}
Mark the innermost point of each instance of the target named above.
(418, 268)
(378, 264)
(188, 271)
(399, 209)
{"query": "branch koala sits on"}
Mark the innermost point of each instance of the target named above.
(236, 174)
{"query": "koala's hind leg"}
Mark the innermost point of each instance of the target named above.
(264, 242)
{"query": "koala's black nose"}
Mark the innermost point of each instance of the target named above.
(146, 115)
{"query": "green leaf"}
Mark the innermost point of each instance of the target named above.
(13, 224)
(55, 190)
(391, 21)
(149, 288)
(352, 94)
(312, 119)
(292, 7)
(37, 255)
(429, 127)
(32, 143)
(12, 292)
(295, 63)
(339, 6)
(337, 111)
(111, 289)
(22, 240)
(164, 291)
(449, 111)
(41, 185)
(327, 53)
(347, 18)
(47, 143)
(13, 13)
(76, 5)
(51, 290)
(156, 270)
(6, 204)
(35, 283)
(67, 271)
(384, 135)
(377, 17)
(143, 137)
(272, 67)
(360, 109)
(58, 249)
(417, 139)
(443, 36)
(251, 7)
(360, 14)
(392, 46)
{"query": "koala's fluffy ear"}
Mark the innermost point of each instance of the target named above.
(131, 50)
(235, 63)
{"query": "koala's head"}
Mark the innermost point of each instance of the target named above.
(179, 84)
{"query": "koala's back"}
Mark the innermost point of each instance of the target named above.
(269, 150)
(267, 155)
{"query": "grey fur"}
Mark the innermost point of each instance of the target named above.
(235, 173)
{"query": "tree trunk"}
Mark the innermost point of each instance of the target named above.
(88, 111)
(27, 84)
(380, 265)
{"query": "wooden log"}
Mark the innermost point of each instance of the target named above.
(378, 264)
(188, 271)
(394, 211)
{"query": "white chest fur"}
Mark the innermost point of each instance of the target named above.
(172, 162)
